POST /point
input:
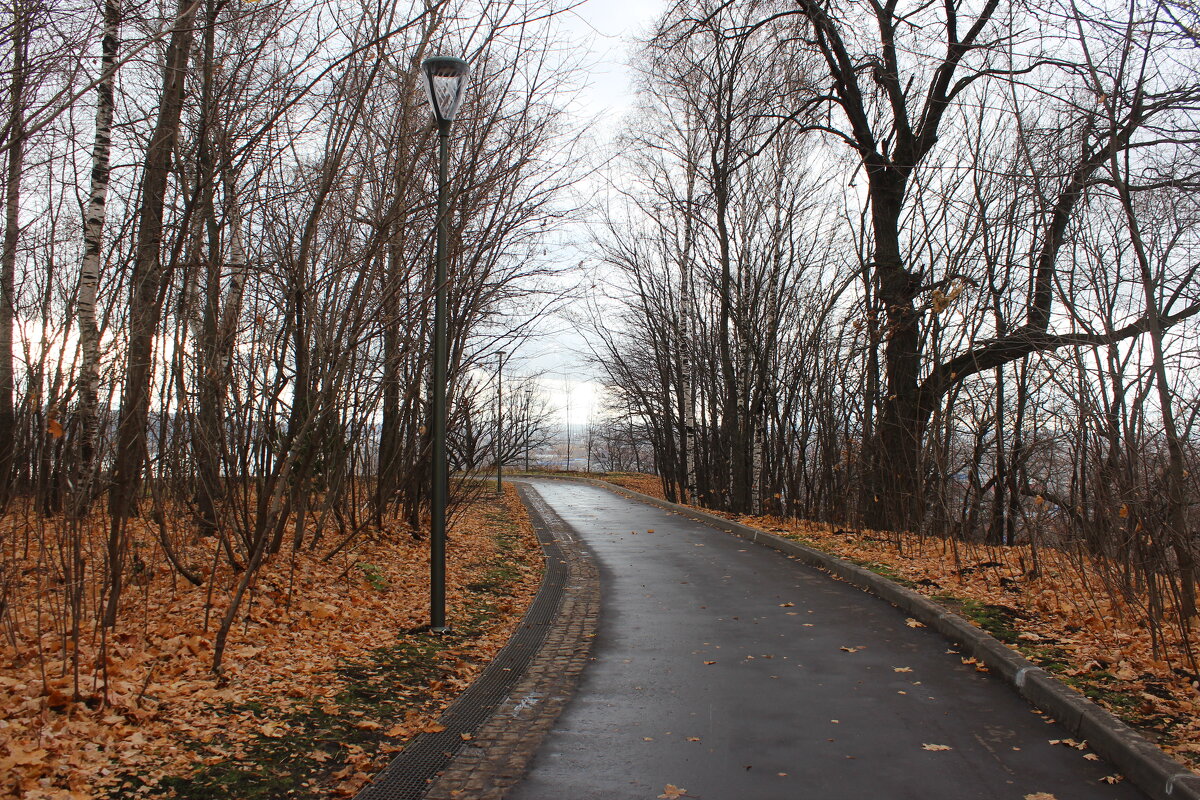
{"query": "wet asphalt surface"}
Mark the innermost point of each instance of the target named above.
(730, 671)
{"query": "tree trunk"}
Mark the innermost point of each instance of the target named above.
(8, 255)
(147, 286)
(1178, 535)
(894, 480)
(89, 269)
(207, 434)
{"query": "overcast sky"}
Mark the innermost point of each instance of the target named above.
(605, 28)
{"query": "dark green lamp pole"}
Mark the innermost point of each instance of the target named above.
(445, 82)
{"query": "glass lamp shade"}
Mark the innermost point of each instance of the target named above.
(445, 85)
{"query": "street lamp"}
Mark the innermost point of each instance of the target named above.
(445, 82)
(499, 421)
(528, 426)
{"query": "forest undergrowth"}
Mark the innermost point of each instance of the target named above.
(326, 672)
(1060, 609)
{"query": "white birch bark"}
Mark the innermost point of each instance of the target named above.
(89, 269)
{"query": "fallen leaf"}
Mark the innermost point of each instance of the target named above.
(901, 669)
(672, 792)
(1113, 778)
(19, 755)
(936, 747)
(1070, 743)
(851, 649)
(272, 730)
(693, 738)
(912, 623)
(1040, 796)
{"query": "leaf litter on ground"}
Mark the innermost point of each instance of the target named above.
(156, 714)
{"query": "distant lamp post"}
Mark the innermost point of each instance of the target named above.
(445, 82)
(528, 426)
(499, 421)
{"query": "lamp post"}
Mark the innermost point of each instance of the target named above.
(528, 413)
(445, 82)
(499, 421)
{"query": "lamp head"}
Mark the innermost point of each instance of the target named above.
(445, 82)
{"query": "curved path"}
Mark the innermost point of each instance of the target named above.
(734, 673)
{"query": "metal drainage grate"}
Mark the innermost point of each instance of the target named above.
(411, 773)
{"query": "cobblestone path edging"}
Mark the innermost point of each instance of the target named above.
(491, 732)
(496, 757)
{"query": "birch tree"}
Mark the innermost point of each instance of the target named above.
(89, 270)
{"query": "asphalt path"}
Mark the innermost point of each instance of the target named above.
(730, 671)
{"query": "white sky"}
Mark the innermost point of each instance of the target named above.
(606, 28)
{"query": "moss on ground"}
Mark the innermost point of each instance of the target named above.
(1000, 621)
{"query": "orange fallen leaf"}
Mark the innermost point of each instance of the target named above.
(271, 730)
(19, 755)
(1070, 743)
(672, 792)
(936, 747)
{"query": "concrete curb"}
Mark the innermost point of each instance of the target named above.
(1138, 759)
